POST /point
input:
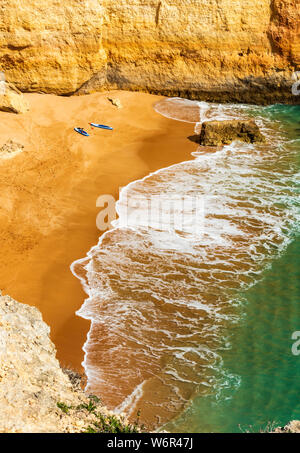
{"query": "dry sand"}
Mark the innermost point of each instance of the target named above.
(48, 194)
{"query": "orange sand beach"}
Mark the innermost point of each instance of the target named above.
(49, 191)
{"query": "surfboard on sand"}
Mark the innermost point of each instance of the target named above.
(81, 131)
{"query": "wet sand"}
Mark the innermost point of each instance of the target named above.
(48, 194)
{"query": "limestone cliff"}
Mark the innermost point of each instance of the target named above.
(243, 50)
(52, 46)
(35, 394)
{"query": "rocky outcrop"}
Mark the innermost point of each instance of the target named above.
(218, 133)
(116, 102)
(292, 427)
(11, 99)
(246, 50)
(35, 394)
(10, 149)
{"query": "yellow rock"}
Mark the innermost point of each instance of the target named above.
(32, 382)
(215, 50)
(12, 100)
(116, 102)
(51, 46)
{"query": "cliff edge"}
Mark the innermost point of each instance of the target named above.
(36, 395)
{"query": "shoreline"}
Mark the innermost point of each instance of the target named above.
(110, 350)
(50, 191)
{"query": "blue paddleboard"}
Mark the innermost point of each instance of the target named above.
(101, 126)
(81, 131)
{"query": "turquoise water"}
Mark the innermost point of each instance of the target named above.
(263, 376)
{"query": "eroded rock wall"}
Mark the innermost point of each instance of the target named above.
(243, 50)
(51, 46)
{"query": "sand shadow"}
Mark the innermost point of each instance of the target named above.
(194, 139)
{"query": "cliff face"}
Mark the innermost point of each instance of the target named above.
(52, 46)
(211, 49)
(285, 30)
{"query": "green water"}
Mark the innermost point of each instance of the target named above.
(263, 376)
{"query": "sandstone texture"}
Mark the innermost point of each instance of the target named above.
(221, 50)
(11, 99)
(218, 133)
(51, 46)
(31, 380)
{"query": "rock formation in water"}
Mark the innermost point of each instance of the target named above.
(35, 394)
(246, 50)
(218, 133)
